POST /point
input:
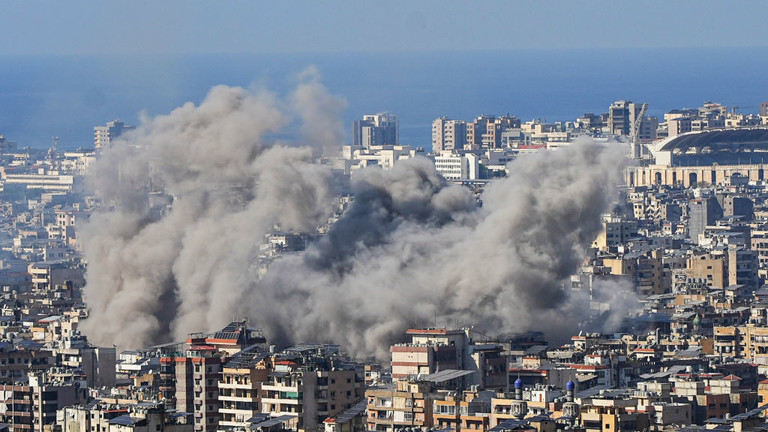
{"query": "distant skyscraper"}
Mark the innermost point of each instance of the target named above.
(103, 135)
(376, 130)
(448, 134)
(623, 114)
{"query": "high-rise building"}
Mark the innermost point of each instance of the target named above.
(190, 383)
(240, 388)
(702, 212)
(103, 135)
(621, 115)
(376, 130)
(448, 134)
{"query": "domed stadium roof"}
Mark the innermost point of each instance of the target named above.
(722, 146)
(723, 139)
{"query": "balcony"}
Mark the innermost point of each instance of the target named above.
(265, 400)
(234, 385)
(281, 388)
(234, 398)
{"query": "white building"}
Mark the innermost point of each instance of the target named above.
(383, 156)
(456, 167)
(103, 135)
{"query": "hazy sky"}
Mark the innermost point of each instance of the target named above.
(172, 26)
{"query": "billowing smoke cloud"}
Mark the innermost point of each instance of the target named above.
(411, 246)
(154, 276)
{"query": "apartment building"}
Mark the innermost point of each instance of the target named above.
(240, 388)
(309, 391)
(430, 350)
(17, 361)
(189, 382)
(101, 416)
(448, 134)
(33, 406)
(402, 404)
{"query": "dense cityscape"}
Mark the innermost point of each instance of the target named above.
(648, 309)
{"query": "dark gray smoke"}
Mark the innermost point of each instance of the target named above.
(411, 246)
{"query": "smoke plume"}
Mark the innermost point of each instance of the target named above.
(156, 273)
(411, 246)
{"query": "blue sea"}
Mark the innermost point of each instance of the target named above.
(65, 96)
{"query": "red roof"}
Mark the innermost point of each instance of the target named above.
(581, 366)
(202, 348)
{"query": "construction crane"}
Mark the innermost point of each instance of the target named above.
(634, 134)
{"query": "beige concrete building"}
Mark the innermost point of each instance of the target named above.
(240, 389)
(645, 271)
(309, 394)
(406, 404)
(748, 342)
(430, 350)
(709, 269)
